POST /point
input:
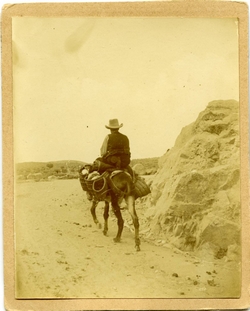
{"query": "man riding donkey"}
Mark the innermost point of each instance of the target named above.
(116, 182)
(115, 152)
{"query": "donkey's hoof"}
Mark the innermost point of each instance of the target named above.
(117, 240)
(99, 226)
(137, 248)
(105, 232)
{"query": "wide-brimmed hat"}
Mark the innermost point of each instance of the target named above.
(113, 124)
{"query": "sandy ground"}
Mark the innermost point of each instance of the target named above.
(61, 254)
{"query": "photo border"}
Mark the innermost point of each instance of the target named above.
(186, 8)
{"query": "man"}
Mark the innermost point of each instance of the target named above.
(115, 152)
(115, 149)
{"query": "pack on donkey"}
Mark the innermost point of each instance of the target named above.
(111, 179)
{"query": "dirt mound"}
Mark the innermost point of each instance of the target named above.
(139, 169)
(195, 199)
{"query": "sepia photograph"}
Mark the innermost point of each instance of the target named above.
(127, 157)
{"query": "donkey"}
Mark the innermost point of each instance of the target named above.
(120, 187)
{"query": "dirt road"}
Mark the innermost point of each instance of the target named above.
(61, 254)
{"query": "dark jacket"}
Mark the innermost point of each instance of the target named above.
(118, 143)
(117, 150)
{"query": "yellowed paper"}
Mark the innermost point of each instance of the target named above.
(175, 74)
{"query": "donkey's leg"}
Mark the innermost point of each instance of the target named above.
(117, 211)
(106, 216)
(131, 207)
(93, 207)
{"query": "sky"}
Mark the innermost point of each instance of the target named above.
(155, 75)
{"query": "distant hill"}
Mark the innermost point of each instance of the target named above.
(37, 166)
(67, 169)
(46, 170)
(150, 164)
